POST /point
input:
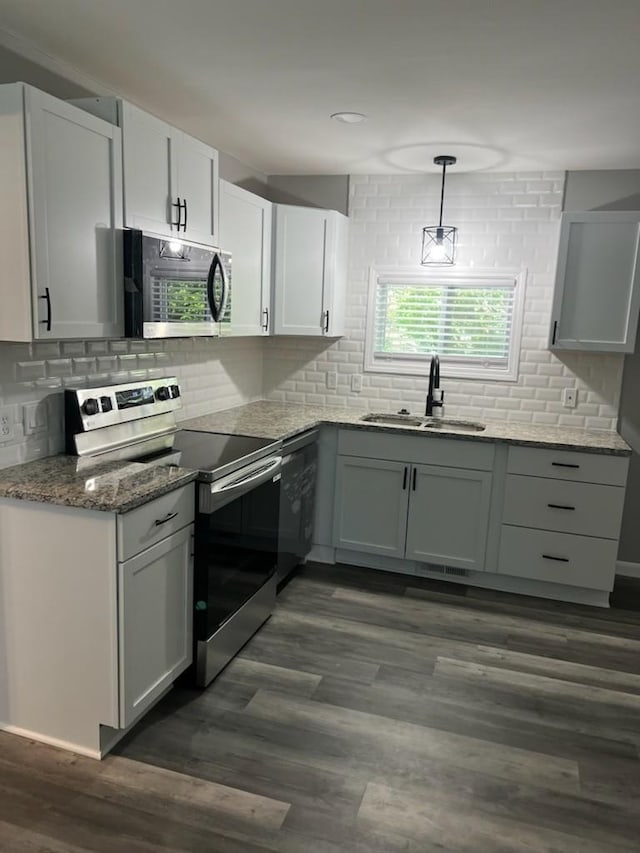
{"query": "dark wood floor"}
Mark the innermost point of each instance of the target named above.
(376, 714)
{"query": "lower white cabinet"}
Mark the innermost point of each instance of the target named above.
(155, 622)
(426, 513)
(96, 613)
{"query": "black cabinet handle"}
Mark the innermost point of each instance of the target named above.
(177, 204)
(560, 506)
(326, 321)
(565, 465)
(413, 484)
(555, 331)
(404, 479)
(265, 314)
(557, 559)
(47, 298)
(184, 224)
(160, 521)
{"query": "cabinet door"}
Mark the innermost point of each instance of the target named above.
(155, 599)
(335, 278)
(597, 292)
(198, 186)
(448, 516)
(299, 270)
(149, 148)
(75, 207)
(371, 505)
(245, 231)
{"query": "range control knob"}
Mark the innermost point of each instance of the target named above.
(162, 393)
(175, 391)
(106, 404)
(90, 407)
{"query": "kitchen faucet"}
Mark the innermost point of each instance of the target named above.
(434, 385)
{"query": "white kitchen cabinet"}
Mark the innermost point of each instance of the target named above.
(399, 507)
(61, 194)
(371, 505)
(155, 622)
(448, 516)
(245, 231)
(112, 596)
(310, 271)
(597, 288)
(170, 178)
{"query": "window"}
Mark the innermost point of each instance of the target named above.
(472, 320)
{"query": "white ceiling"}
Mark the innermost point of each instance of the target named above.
(504, 84)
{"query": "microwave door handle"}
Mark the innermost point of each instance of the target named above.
(211, 294)
(225, 291)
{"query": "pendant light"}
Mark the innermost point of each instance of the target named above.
(439, 241)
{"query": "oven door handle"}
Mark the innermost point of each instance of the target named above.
(233, 486)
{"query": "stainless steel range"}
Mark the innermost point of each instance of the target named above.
(238, 503)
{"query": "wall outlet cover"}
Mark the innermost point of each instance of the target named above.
(332, 380)
(570, 398)
(7, 431)
(356, 383)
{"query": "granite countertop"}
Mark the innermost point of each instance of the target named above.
(267, 419)
(110, 487)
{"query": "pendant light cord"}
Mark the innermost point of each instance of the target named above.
(444, 172)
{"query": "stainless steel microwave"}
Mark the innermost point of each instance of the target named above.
(174, 289)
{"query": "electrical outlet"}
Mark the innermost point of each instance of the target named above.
(356, 383)
(7, 431)
(34, 417)
(570, 398)
(332, 380)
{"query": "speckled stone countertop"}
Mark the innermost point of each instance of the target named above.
(111, 487)
(268, 419)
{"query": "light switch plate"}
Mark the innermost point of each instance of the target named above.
(34, 417)
(356, 383)
(332, 380)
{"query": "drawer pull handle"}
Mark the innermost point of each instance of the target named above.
(565, 465)
(557, 559)
(161, 521)
(560, 506)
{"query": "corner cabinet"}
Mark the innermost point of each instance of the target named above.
(597, 288)
(170, 178)
(61, 206)
(310, 271)
(245, 231)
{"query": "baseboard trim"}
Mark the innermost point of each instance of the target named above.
(51, 741)
(628, 570)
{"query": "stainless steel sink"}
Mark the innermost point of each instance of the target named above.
(393, 420)
(452, 424)
(390, 419)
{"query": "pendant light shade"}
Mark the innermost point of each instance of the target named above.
(439, 241)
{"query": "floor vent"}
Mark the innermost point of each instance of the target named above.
(448, 570)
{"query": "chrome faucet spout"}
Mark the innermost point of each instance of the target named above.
(434, 385)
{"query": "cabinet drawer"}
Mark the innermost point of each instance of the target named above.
(568, 465)
(148, 524)
(583, 508)
(557, 557)
(422, 449)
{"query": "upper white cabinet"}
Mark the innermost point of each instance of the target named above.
(597, 289)
(310, 271)
(245, 231)
(61, 204)
(170, 178)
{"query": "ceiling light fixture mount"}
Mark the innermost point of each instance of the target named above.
(349, 118)
(439, 241)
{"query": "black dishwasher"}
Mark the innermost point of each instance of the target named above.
(297, 501)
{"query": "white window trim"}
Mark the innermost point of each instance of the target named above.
(449, 368)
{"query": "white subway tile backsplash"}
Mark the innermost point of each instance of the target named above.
(505, 220)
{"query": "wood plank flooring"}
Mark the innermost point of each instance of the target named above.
(372, 714)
